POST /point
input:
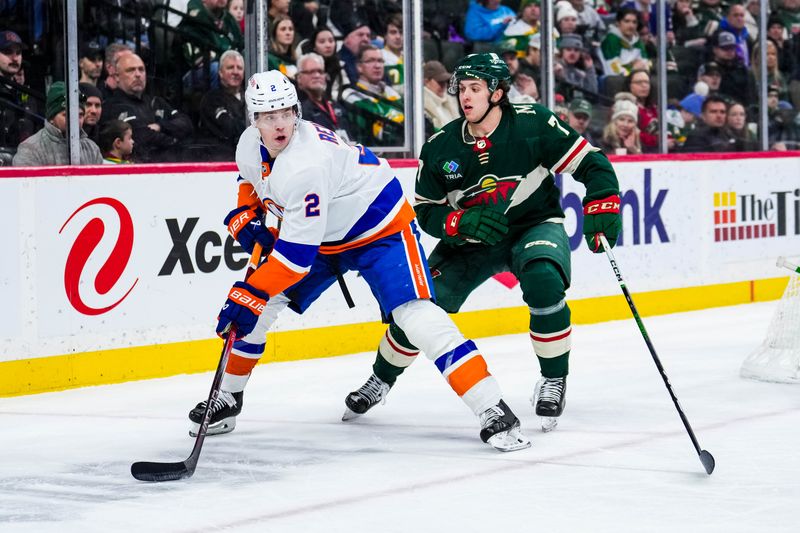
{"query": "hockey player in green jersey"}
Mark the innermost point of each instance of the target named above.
(485, 188)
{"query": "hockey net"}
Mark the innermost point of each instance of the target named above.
(778, 357)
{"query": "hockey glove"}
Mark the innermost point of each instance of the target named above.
(244, 305)
(476, 224)
(244, 225)
(601, 216)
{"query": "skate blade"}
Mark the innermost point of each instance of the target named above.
(349, 414)
(509, 441)
(225, 425)
(549, 423)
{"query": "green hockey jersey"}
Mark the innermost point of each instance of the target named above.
(510, 170)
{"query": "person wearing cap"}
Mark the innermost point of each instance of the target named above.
(525, 25)
(90, 63)
(786, 56)
(709, 77)
(734, 22)
(93, 110)
(357, 36)
(622, 50)
(574, 68)
(49, 146)
(440, 107)
(486, 20)
(712, 134)
(531, 64)
(523, 89)
(566, 17)
(579, 117)
(18, 110)
(621, 135)
(737, 81)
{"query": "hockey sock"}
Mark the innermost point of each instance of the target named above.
(465, 370)
(395, 354)
(244, 357)
(550, 326)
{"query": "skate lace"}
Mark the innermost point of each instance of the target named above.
(552, 390)
(491, 415)
(224, 399)
(374, 389)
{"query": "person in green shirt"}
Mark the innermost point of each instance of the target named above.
(486, 188)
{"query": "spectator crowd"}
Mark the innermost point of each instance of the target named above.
(162, 80)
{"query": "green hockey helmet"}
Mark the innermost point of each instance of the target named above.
(486, 66)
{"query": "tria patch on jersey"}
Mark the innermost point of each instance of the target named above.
(490, 190)
(451, 170)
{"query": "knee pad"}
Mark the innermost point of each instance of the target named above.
(542, 286)
(428, 327)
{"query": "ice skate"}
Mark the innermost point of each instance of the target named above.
(549, 399)
(500, 429)
(223, 414)
(365, 398)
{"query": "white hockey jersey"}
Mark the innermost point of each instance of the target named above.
(330, 196)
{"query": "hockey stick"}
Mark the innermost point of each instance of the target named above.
(149, 471)
(782, 262)
(706, 458)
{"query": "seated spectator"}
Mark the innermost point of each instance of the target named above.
(116, 142)
(712, 135)
(223, 111)
(93, 110)
(375, 110)
(314, 101)
(323, 43)
(282, 47)
(531, 64)
(158, 129)
(737, 82)
(709, 77)
(621, 136)
(307, 16)
(49, 146)
(686, 25)
(574, 69)
(781, 125)
(775, 77)
(236, 9)
(211, 31)
(18, 111)
(590, 26)
(523, 89)
(680, 123)
(638, 84)
(737, 124)
(622, 50)
(648, 14)
(789, 13)
(277, 8)
(113, 52)
(90, 63)
(440, 106)
(357, 37)
(709, 14)
(487, 20)
(393, 52)
(734, 23)
(566, 18)
(579, 118)
(525, 25)
(786, 59)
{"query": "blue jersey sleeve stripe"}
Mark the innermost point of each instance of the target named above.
(301, 255)
(445, 361)
(377, 211)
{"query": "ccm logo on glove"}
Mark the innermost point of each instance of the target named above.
(606, 205)
(245, 298)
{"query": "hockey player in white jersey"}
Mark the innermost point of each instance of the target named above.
(342, 208)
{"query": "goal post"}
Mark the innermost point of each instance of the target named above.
(778, 357)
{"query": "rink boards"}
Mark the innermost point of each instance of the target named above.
(115, 273)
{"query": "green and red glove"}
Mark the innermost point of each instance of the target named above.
(476, 224)
(601, 216)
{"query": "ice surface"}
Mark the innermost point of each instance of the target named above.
(619, 461)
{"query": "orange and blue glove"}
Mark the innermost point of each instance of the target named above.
(244, 305)
(245, 225)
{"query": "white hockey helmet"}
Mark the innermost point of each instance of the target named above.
(269, 91)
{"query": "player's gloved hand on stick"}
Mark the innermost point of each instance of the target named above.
(601, 216)
(245, 225)
(244, 305)
(476, 224)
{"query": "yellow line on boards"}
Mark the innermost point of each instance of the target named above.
(45, 374)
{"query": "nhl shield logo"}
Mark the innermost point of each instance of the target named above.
(481, 144)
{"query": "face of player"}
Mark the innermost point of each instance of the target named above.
(473, 96)
(324, 44)
(231, 73)
(277, 128)
(94, 108)
(10, 60)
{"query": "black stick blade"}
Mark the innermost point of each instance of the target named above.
(146, 471)
(708, 461)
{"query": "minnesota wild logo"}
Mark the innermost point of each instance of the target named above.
(490, 190)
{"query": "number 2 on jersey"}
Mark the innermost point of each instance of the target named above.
(312, 205)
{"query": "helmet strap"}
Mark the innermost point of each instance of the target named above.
(492, 105)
